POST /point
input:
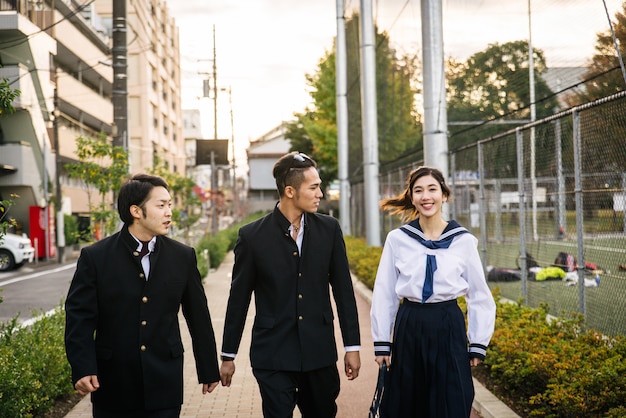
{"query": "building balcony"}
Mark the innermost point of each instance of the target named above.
(82, 103)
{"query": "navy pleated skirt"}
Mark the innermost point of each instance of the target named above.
(430, 373)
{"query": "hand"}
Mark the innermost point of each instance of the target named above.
(87, 384)
(474, 361)
(381, 359)
(208, 387)
(352, 361)
(227, 370)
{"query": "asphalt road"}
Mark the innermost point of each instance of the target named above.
(34, 289)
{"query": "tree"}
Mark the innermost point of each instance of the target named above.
(182, 191)
(605, 125)
(494, 84)
(399, 127)
(103, 167)
(7, 96)
(604, 75)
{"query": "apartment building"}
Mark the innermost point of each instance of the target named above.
(57, 53)
(155, 116)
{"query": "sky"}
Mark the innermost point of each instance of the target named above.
(265, 48)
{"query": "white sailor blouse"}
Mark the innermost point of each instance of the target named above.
(405, 262)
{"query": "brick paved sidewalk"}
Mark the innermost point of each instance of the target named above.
(243, 400)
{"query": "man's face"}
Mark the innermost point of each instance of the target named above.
(308, 195)
(156, 217)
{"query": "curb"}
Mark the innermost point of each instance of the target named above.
(485, 402)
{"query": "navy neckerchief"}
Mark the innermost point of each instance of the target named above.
(414, 230)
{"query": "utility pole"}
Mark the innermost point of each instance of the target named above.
(59, 167)
(234, 165)
(342, 120)
(214, 87)
(214, 224)
(120, 76)
(370, 125)
(435, 116)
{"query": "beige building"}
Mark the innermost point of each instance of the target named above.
(58, 54)
(155, 119)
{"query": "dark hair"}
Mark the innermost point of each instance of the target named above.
(289, 170)
(135, 192)
(403, 203)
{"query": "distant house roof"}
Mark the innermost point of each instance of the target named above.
(262, 155)
(273, 144)
(560, 78)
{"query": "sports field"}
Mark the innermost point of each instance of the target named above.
(605, 309)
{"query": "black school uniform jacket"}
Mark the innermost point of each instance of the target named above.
(293, 327)
(125, 329)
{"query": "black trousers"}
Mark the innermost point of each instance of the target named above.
(314, 392)
(99, 412)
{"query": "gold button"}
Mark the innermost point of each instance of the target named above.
(299, 274)
(300, 317)
(299, 296)
(295, 253)
(142, 276)
(135, 253)
(143, 348)
(144, 323)
(144, 299)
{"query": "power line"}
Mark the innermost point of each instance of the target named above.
(18, 41)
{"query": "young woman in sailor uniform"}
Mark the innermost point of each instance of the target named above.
(425, 266)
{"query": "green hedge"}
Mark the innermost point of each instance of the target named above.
(34, 371)
(550, 368)
(363, 260)
(215, 246)
(557, 368)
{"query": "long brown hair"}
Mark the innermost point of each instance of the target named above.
(402, 204)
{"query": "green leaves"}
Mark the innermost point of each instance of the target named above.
(556, 368)
(103, 167)
(399, 128)
(7, 96)
(34, 369)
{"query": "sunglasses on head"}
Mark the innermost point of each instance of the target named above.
(300, 157)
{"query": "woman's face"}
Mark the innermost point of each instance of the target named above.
(427, 196)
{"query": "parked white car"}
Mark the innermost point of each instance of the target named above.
(15, 250)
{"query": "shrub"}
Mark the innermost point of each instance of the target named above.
(363, 259)
(217, 245)
(34, 369)
(556, 368)
(70, 229)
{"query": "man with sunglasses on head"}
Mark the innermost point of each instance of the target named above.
(289, 259)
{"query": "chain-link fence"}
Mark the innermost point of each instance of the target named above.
(546, 201)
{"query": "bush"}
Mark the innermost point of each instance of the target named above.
(556, 368)
(70, 229)
(216, 246)
(363, 259)
(34, 369)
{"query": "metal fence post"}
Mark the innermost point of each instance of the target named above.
(482, 205)
(519, 142)
(578, 192)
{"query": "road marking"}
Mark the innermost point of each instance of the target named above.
(38, 274)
